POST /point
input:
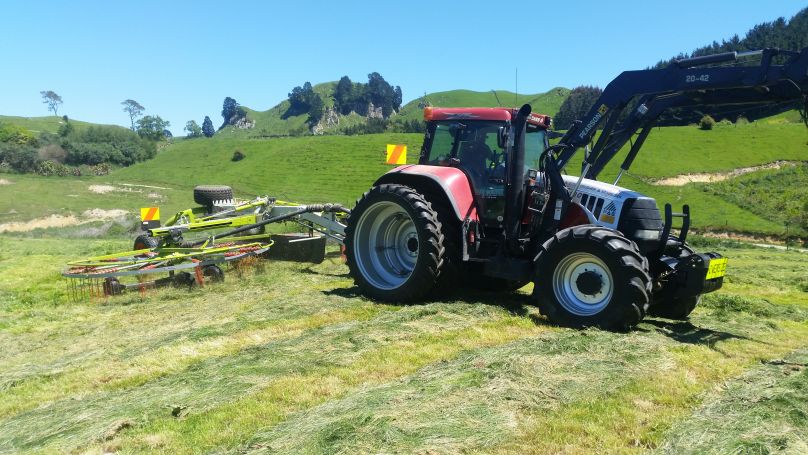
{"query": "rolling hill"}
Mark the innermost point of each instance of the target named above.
(271, 123)
(46, 124)
(546, 103)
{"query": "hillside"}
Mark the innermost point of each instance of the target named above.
(271, 122)
(46, 124)
(546, 103)
(340, 168)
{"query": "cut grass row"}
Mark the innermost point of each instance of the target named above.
(291, 361)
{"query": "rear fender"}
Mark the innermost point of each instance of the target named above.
(448, 181)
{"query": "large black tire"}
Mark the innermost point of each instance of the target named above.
(394, 245)
(664, 305)
(589, 276)
(205, 194)
(144, 241)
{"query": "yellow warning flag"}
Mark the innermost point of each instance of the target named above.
(150, 214)
(396, 154)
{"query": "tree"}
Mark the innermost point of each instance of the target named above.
(53, 100)
(576, 105)
(193, 129)
(397, 98)
(231, 112)
(300, 100)
(152, 127)
(316, 110)
(207, 127)
(304, 100)
(343, 102)
(381, 94)
(134, 109)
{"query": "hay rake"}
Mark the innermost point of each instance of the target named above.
(102, 276)
(188, 263)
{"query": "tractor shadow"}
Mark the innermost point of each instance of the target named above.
(514, 303)
(687, 333)
(311, 271)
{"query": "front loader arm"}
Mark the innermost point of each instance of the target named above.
(682, 84)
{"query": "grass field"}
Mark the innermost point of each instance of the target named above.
(291, 360)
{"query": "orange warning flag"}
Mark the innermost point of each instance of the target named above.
(396, 154)
(150, 214)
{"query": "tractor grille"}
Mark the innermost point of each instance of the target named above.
(592, 203)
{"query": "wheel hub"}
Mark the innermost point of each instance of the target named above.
(589, 283)
(583, 284)
(387, 245)
(412, 244)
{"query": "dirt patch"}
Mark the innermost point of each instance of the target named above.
(5, 182)
(102, 215)
(101, 189)
(123, 188)
(684, 179)
(60, 221)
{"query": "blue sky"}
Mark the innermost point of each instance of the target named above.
(181, 59)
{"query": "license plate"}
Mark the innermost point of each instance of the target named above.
(717, 268)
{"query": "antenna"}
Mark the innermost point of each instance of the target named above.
(516, 89)
(497, 97)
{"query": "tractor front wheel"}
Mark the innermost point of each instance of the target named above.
(592, 276)
(394, 245)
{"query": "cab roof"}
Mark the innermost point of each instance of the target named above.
(500, 114)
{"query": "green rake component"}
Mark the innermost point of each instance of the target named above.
(189, 262)
(101, 276)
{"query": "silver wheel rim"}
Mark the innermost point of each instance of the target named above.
(386, 245)
(566, 288)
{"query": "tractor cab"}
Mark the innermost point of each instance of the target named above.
(478, 141)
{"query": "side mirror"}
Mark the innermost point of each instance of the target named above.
(502, 137)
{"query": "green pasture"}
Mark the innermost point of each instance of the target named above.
(289, 359)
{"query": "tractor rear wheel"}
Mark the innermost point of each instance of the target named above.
(394, 244)
(592, 276)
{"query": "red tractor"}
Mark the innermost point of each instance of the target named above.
(487, 204)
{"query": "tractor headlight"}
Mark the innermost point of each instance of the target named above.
(647, 234)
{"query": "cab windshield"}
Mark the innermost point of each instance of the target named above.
(472, 146)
